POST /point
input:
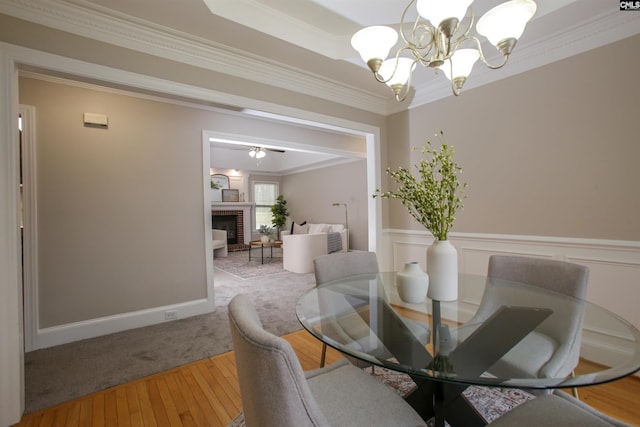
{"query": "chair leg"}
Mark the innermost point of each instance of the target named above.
(574, 390)
(323, 356)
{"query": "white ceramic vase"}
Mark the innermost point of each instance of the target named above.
(442, 267)
(412, 283)
(264, 239)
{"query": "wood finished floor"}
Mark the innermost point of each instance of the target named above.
(206, 393)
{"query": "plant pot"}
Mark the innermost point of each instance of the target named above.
(442, 267)
(412, 283)
(264, 239)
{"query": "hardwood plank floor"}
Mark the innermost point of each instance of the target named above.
(206, 393)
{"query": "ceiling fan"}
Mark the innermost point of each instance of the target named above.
(253, 149)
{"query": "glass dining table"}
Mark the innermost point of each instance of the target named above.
(475, 340)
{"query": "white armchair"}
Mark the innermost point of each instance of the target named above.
(299, 250)
(220, 248)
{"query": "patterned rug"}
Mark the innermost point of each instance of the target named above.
(238, 264)
(490, 402)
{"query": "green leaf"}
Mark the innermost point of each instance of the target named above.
(434, 197)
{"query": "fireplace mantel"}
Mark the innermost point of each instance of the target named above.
(231, 206)
(247, 216)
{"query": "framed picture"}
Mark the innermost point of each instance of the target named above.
(230, 195)
(219, 182)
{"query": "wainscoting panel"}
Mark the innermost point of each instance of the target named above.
(614, 270)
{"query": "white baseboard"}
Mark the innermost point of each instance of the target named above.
(63, 334)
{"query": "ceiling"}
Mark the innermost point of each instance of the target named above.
(304, 45)
(277, 161)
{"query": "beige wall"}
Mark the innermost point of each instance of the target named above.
(310, 196)
(552, 152)
(27, 34)
(120, 210)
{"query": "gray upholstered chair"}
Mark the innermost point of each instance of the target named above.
(553, 349)
(557, 409)
(328, 268)
(276, 392)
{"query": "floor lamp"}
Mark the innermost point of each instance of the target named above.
(346, 220)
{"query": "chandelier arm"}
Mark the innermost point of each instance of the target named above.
(404, 13)
(381, 79)
(455, 89)
(472, 19)
(418, 32)
(475, 40)
(402, 94)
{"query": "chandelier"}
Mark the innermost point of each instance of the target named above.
(438, 40)
(257, 152)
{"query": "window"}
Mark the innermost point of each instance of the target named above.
(264, 195)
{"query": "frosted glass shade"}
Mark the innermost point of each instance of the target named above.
(437, 11)
(374, 42)
(506, 20)
(463, 60)
(402, 71)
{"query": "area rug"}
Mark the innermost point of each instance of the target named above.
(238, 264)
(490, 402)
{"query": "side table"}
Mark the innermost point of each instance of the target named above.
(260, 244)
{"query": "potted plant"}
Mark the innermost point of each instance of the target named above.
(280, 214)
(265, 231)
(433, 198)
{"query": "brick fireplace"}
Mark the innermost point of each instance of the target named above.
(235, 218)
(233, 223)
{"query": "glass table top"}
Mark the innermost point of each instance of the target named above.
(498, 333)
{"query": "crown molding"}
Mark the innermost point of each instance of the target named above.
(91, 21)
(600, 25)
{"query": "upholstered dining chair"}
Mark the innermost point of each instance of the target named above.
(557, 409)
(553, 349)
(328, 268)
(276, 392)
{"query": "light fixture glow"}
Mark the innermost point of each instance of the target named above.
(257, 152)
(373, 43)
(458, 68)
(396, 73)
(506, 21)
(436, 35)
(437, 11)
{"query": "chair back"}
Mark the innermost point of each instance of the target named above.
(328, 268)
(559, 276)
(272, 384)
(565, 325)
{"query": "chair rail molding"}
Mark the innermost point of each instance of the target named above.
(614, 268)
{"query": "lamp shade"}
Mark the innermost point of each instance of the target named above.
(374, 42)
(462, 60)
(437, 11)
(507, 20)
(396, 75)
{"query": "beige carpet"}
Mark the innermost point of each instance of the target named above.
(490, 402)
(238, 265)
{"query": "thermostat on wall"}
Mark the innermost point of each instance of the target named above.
(96, 120)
